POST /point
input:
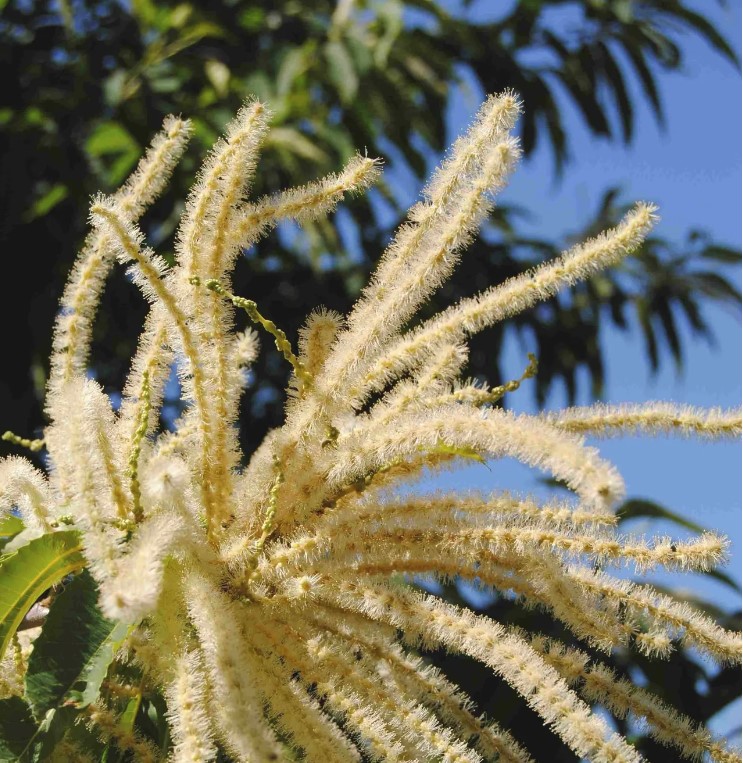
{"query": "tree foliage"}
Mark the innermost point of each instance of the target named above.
(86, 84)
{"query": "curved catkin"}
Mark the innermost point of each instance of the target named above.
(269, 609)
(493, 433)
(72, 332)
(601, 684)
(237, 715)
(648, 418)
(508, 655)
(514, 296)
(27, 489)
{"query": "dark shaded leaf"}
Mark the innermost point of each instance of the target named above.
(76, 646)
(638, 507)
(17, 728)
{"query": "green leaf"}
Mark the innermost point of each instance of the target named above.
(28, 572)
(10, 525)
(47, 201)
(129, 715)
(705, 29)
(341, 70)
(638, 507)
(51, 730)
(70, 658)
(723, 577)
(294, 141)
(110, 138)
(17, 728)
(293, 66)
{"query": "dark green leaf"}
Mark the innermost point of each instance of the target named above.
(706, 29)
(638, 507)
(76, 646)
(17, 728)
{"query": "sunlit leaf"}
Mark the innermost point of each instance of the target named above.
(26, 573)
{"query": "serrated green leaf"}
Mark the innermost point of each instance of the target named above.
(17, 728)
(70, 658)
(28, 572)
(51, 730)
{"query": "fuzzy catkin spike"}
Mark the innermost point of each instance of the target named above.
(474, 314)
(603, 685)
(265, 604)
(72, 332)
(317, 337)
(24, 487)
(189, 721)
(136, 448)
(648, 418)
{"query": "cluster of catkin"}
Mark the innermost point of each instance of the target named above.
(262, 598)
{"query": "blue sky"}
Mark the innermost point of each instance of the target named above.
(692, 171)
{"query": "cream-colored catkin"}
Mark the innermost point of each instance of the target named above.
(474, 314)
(24, 487)
(268, 604)
(153, 359)
(133, 592)
(316, 338)
(72, 332)
(237, 713)
(598, 683)
(357, 712)
(75, 446)
(426, 248)
(648, 418)
(147, 273)
(495, 433)
(313, 733)
(189, 721)
(435, 623)
(414, 723)
(679, 618)
(427, 684)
